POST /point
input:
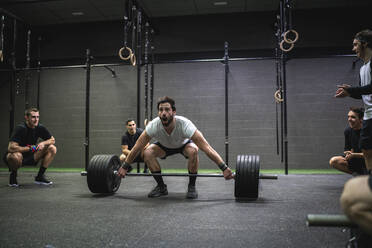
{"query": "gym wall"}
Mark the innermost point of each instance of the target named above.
(316, 120)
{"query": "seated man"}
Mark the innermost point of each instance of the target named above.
(353, 160)
(174, 134)
(24, 150)
(129, 139)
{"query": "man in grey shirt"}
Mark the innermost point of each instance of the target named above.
(174, 134)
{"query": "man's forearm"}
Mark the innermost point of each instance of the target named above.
(50, 141)
(357, 92)
(17, 148)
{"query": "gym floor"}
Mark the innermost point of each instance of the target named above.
(66, 214)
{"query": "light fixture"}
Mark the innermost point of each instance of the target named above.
(220, 3)
(77, 13)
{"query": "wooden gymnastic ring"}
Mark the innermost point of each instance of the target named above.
(1, 56)
(121, 53)
(286, 50)
(278, 96)
(145, 122)
(133, 59)
(288, 40)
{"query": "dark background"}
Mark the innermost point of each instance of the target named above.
(319, 61)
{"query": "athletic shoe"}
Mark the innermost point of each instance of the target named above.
(42, 180)
(158, 191)
(191, 192)
(13, 179)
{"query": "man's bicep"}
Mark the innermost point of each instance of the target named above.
(199, 140)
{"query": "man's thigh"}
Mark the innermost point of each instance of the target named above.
(189, 149)
(155, 151)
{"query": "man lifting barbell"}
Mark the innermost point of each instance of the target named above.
(174, 134)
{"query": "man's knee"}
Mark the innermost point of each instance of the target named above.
(149, 154)
(122, 158)
(52, 149)
(334, 161)
(15, 159)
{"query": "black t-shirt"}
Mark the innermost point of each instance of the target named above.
(130, 140)
(352, 140)
(24, 135)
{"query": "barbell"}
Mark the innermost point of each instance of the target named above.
(102, 175)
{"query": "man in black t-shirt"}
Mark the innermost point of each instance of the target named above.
(24, 149)
(353, 160)
(129, 139)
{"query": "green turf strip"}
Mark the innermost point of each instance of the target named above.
(202, 171)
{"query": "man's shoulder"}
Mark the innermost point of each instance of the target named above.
(20, 127)
(348, 130)
(182, 118)
(41, 126)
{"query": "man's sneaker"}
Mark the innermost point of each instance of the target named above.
(191, 192)
(42, 180)
(13, 180)
(158, 191)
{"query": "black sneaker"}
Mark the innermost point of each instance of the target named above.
(158, 191)
(191, 192)
(42, 180)
(13, 179)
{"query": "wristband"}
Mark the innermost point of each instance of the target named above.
(126, 166)
(222, 166)
(33, 148)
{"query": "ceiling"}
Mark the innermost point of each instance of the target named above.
(45, 12)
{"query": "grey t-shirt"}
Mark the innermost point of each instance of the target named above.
(183, 131)
(365, 79)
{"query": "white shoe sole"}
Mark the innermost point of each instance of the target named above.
(13, 185)
(42, 183)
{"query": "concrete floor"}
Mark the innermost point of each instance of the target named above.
(66, 214)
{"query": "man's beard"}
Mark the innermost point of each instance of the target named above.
(168, 122)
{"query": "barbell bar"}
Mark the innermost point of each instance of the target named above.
(335, 220)
(102, 175)
(262, 176)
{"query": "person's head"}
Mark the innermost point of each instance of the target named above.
(355, 117)
(131, 126)
(166, 110)
(32, 117)
(362, 42)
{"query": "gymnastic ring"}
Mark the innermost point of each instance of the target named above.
(278, 96)
(288, 40)
(121, 53)
(286, 50)
(133, 59)
(145, 122)
(1, 56)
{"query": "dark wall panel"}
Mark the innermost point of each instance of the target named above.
(5, 79)
(316, 119)
(62, 111)
(198, 89)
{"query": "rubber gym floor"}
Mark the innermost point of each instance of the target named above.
(67, 214)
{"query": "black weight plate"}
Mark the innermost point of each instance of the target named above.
(247, 177)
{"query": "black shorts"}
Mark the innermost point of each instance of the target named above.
(28, 159)
(365, 141)
(172, 151)
(357, 165)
